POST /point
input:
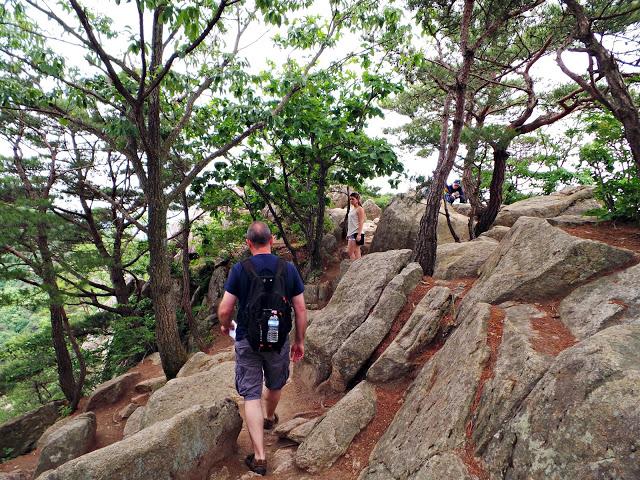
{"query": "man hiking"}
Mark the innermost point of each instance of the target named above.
(265, 287)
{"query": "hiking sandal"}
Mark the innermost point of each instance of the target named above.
(269, 424)
(257, 466)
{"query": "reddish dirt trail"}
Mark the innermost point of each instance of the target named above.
(618, 235)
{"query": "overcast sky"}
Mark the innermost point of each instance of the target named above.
(257, 48)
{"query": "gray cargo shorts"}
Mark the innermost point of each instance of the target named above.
(252, 367)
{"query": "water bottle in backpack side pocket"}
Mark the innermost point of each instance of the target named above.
(273, 324)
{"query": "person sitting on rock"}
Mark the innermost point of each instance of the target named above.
(253, 362)
(453, 191)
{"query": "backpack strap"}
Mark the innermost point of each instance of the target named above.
(248, 266)
(280, 269)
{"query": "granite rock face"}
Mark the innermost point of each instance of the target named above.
(581, 420)
(420, 329)
(457, 260)
(536, 261)
(182, 393)
(357, 349)
(400, 222)
(183, 447)
(607, 301)
(518, 368)
(19, 435)
(348, 308)
(333, 434)
(110, 392)
(570, 201)
(70, 441)
(432, 420)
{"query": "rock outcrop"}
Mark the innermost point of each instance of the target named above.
(349, 307)
(19, 435)
(182, 447)
(536, 261)
(67, 442)
(570, 201)
(110, 392)
(456, 260)
(371, 210)
(420, 329)
(183, 393)
(581, 420)
(400, 222)
(201, 362)
(607, 301)
(518, 367)
(332, 435)
(358, 347)
(432, 419)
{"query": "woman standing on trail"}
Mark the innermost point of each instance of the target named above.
(355, 226)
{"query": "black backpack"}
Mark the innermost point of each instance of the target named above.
(267, 297)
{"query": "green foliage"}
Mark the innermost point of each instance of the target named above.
(607, 159)
(221, 236)
(133, 339)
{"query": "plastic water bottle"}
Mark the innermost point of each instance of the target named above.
(273, 324)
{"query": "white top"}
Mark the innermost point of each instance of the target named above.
(352, 224)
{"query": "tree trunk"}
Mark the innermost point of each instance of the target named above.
(63, 359)
(82, 365)
(186, 277)
(316, 241)
(489, 214)
(172, 353)
(619, 100)
(449, 224)
(427, 240)
(64, 365)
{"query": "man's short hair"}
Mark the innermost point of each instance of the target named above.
(259, 234)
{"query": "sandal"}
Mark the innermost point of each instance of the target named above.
(257, 466)
(269, 423)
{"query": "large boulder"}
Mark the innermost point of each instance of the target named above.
(356, 295)
(570, 201)
(110, 392)
(19, 435)
(607, 301)
(433, 418)
(182, 447)
(371, 210)
(332, 435)
(357, 349)
(420, 329)
(581, 420)
(182, 393)
(70, 441)
(518, 367)
(442, 466)
(400, 222)
(456, 260)
(201, 362)
(339, 196)
(497, 232)
(536, 261)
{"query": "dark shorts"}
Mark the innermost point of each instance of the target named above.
(352, 237)
(252, 367)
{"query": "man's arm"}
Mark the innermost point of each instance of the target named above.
(300, 309)
(225, 311)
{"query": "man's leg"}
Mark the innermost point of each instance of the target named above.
(253, 417)
(271, 399)
(249, 378)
